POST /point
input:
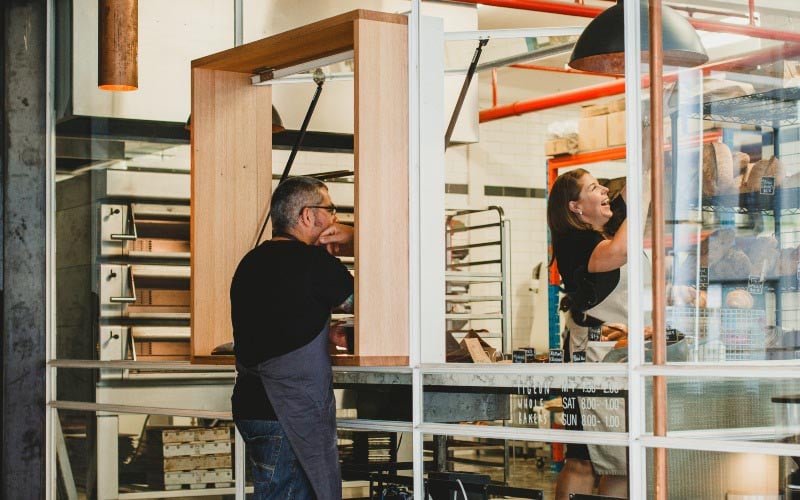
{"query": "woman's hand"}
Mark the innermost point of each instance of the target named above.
(613, 331)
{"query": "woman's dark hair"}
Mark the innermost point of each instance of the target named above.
(289, 199)
(566, 188)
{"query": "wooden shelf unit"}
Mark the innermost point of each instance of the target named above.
(232, 175)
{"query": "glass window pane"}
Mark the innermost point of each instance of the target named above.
(708, 474)
(730, 408)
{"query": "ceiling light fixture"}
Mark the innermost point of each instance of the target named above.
(601, 46)
(118, 45)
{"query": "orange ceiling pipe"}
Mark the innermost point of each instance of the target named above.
(577, 10)
(539, 67)
(568, 9)
(618, 86)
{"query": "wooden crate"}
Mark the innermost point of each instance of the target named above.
(187, 457)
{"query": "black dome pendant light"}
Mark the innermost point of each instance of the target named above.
(601, 46)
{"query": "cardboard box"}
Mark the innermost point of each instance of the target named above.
(616, 128)
(593, 133)
(616, 105)
(558, 146)
(594, 110)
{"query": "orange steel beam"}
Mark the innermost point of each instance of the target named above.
(616, 87)
(577, 10)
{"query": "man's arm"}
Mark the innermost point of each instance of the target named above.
(335, 237)
(347, 307)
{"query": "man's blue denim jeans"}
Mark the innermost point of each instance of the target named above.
(277, 474)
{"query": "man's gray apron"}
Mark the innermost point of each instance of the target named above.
(607, 413)
(299, 385)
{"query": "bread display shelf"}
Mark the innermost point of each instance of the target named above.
(786, 200)
(775, 108)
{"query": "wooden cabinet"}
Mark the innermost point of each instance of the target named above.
(232, 175)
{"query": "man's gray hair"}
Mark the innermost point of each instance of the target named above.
(289, 199)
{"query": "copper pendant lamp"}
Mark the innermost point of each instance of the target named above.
(601, 46)
(118, 45)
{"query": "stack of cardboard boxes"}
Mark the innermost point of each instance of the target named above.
(602, 126)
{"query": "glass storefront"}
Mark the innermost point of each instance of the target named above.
(491, 396)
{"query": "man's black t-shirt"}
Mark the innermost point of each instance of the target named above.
(281, 297)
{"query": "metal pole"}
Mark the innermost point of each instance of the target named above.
(657, 190)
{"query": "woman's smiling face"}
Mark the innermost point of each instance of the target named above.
(593, 205)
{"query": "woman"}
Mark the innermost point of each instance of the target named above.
(591, 253)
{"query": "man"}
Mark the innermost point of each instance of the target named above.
(281, 298)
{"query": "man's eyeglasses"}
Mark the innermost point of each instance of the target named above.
(330, 208)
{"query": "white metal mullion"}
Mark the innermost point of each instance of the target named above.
(637, 472)
(786, 369)
(415, 241)
(144, 410)
(140, 365)
(361, 424)
(50, 415)
(528, 369)
(527, 434)
(721, 445)
(239, 464)
(512, 33)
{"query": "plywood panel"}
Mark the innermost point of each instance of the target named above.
(381, 189)
(231, 186)
(231, 175)
(306, 43)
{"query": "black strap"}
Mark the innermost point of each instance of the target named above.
(319, 79)
(464, 87)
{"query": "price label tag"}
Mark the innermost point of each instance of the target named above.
(755, 285)
(556, 355)
(672, 334)
(530, 354)
(595, 331)
(702, 279)
(519, 356)
(579, 357)
(767, 185)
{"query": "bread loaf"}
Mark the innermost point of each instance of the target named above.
(717, 169)
(739, 299)
(713, 248)
(787, 265)
(772, 167)
(684, 295)
(741, 162)
(734, 265)
(763, 254)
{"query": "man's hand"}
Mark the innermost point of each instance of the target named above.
(336, 236)
(338, 336)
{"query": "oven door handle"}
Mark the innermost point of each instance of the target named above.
(126, 237)
(126, 300)
(132, 224)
